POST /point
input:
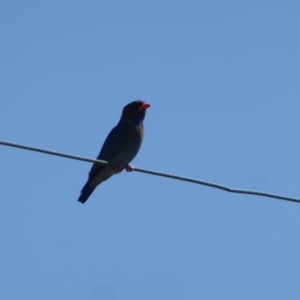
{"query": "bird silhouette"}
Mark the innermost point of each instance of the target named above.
(120, 147)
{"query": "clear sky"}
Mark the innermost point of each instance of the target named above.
(222, 78)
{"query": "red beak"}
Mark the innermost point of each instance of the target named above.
(145, 106)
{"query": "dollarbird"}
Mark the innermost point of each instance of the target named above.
(120, 147)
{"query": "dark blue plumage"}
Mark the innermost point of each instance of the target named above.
(120, 147)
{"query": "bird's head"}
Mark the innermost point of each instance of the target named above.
(135, 112)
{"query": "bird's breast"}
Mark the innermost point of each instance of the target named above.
(132, 145)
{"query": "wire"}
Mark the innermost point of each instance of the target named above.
(156, 173)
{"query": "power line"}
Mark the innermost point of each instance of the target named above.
(156, 173)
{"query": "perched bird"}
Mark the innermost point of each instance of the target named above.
(120, 147)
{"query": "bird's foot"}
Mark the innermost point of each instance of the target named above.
(129, 168)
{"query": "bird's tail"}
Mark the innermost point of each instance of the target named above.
(86, 193)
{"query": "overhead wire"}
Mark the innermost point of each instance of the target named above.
(156, 173)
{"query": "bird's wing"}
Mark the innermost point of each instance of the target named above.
(111, 147)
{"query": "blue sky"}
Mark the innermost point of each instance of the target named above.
(222, 78)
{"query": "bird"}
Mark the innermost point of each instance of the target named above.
(120, 147)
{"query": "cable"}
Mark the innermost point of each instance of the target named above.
(55, 153)
(162, 174)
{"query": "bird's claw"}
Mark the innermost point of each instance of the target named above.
(129, 168)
